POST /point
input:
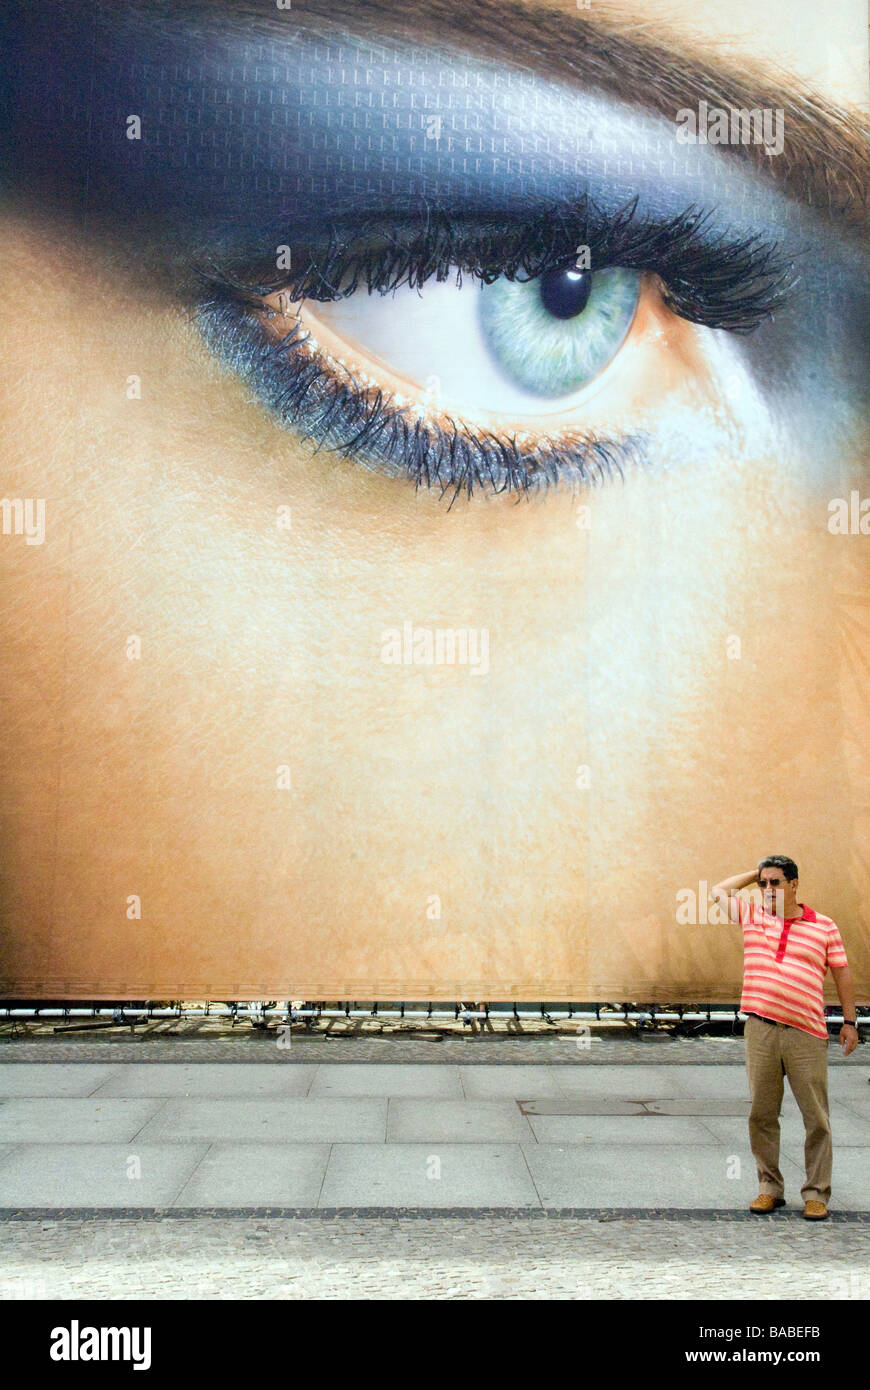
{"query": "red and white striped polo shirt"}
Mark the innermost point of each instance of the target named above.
(785, 963)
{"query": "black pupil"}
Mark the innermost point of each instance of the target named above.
(565, 293)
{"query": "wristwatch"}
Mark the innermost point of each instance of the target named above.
(849, 1023)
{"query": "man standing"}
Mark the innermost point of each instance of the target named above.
(787, 949)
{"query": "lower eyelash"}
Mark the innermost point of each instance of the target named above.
(363, 423)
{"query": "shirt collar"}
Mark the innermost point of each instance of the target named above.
(806, 915)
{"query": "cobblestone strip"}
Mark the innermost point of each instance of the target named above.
(433, 1258)
(499, 1049)
(409, 1214)
(502, 1050)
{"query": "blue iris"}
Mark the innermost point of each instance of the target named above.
(552, 335)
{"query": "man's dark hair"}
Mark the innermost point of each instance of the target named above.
(780, 861)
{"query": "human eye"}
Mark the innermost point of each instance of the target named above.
(487, 358)
(507, 348)
(311, 126)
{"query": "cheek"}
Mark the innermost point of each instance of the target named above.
(202, 709)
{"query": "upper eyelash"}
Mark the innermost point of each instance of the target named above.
(707, 277)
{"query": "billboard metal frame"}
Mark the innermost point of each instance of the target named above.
(289, 1011)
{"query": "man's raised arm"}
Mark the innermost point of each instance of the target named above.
(724, 891)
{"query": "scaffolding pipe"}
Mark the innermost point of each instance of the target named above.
(115, 1013)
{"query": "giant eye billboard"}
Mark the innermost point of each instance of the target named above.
(435, 502)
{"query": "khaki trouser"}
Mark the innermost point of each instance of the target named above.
(775, 1050)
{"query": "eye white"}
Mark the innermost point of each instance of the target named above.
(434, 338)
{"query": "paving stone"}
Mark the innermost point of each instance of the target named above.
(848, 1130)
(396, 1107)
(715, 1083)
(850, 1177)
(315, 1119)
(96, 1175)
(702, 1106)
(580, 1105)
(859, 1105)
(521, 1082)
(846, 1080)
(351, 1079)
(421, 1175)
(256, 1175)
(444, 1121)
(622, 1082)
(47, 1119)
(616, 1130)
(641, 1175)
(220, 1079)
(35, 1079)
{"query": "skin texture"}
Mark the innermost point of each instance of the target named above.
(612, 648)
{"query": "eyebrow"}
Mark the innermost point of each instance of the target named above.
(826, 160)
(68, 73)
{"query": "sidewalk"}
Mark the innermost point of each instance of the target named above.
(559, 1137)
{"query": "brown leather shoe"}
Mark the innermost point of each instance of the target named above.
(815, 1211)
(765, 1203)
